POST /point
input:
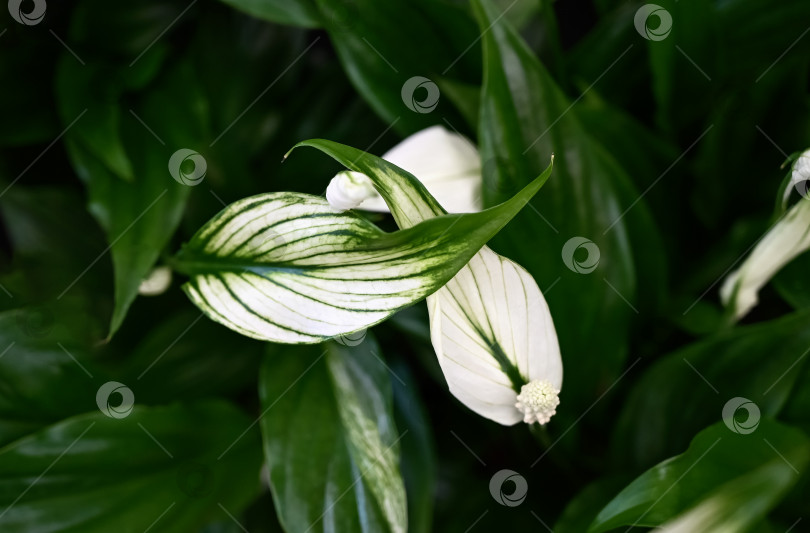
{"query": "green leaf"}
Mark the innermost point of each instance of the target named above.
(303, 13)
(288, 268)
(382, 45)
(759, 362)
(157, 467)
(46, 370)
(139, 217)
(185, 356)
(330, 440)
(792, 284)
(583, 508)
(417, 448)
(35, 221)
(88, 96)
(525, 117)
(739, 505)
(740, 476)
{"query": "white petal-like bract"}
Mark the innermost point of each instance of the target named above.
(492, 312)
(445, 162)
(784, 241)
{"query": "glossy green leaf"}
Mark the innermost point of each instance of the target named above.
(583, 508)
(286, 267)
(159, 468)
(383, 45)
(131, 33)
(96, 127)
(525, 118)
(416, 447)
(47, 370)
(739, 505)
(40, 238)
(759, 362)
(330, 441)
(740, 476)
(140, 216)
(186, 356)
(793, 284)
(302, 13)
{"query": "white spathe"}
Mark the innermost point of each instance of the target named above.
(445, 162)
(799, 177)
(492, 304)
(787, 238)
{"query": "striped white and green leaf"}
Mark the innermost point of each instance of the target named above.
(286, 267)
(490, 325)
(330, 441)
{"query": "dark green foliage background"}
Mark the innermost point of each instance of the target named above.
(668, 156)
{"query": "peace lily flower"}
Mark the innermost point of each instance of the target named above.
(445, 162)
(490, 325)
(787, 239)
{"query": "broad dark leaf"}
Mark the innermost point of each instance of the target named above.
(686, 390)
(383, 45)
(724, 478)
(138, 216)
(524, 119)
(161, 467)
(330, 439)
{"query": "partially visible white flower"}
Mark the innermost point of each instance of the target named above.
(445, 162)
(347, 190)
(800, 177)
(788, 238)
(494, 336)
(490, 325)
(157, 282)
